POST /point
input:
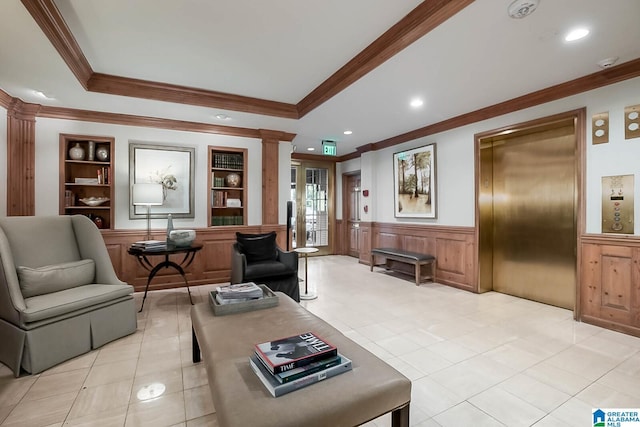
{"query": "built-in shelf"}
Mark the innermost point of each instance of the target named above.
(87, 157)
(227, 202)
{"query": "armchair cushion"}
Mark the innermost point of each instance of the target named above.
(266, 269)
(257, 247)
(54, 278)
(46, 307)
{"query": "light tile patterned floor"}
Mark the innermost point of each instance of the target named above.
(474, 360)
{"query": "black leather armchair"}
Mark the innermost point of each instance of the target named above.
(257, 258)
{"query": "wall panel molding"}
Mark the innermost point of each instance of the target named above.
(610, 285)
(453, 247)
(211, 265)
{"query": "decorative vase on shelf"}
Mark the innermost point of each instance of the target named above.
(92, 151)
(102, 153)
(232, 180)
(76, 152)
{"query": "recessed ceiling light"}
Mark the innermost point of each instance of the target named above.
(222, 116)
(576, 34)
(311, 149)
(416, 102)
(347, 132)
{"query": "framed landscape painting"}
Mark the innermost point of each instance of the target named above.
(414, 186)
(173, 167)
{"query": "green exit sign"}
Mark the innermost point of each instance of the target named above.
(329, 148)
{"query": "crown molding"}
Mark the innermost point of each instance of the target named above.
(152, 122)
(420, 21)
(424, 18)
(52, 24)
(624, 71)
(116, 85)
(5, 99)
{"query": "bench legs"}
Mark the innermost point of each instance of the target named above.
(400, 416)
(431, 265)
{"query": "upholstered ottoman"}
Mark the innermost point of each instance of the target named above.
(371, 389)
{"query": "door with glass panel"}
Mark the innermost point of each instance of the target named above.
(353, 213)
(312, 190)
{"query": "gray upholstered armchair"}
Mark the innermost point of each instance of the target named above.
(257, 258)
(59, 294)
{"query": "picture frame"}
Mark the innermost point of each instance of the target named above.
(171, 166)
(414, 186)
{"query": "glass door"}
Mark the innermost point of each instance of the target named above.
(312, 192)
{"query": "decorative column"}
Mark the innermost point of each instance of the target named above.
(21, 138)
(270, 170)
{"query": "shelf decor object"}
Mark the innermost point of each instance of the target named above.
(147, 195)
(102, 153)
(94, 201)
(76, 152)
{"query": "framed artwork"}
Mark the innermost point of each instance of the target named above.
(414, 173)
(173, 167)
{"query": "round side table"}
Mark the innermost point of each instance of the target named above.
(308, 293)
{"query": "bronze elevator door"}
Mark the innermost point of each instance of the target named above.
(527, 192)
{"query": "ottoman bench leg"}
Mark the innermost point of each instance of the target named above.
(195, 347)
(400, 416)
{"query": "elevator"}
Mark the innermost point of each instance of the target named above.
(527, 206)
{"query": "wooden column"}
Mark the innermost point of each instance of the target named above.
(21, 138)
(270, 170)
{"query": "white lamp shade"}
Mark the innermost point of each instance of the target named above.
(147, 194)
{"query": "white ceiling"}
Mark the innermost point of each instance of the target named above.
(281, 50)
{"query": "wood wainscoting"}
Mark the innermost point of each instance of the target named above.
(211, 265)
(610, 282)
(453, 247)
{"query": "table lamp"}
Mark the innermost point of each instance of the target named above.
(147, 195)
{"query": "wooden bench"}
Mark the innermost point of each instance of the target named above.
(401, 260)
(371, 389)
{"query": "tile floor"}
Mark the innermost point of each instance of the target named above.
(474, 360)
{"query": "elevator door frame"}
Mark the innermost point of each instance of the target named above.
(579, 118)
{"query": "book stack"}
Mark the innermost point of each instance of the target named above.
(238, 293)
(150, 245)
(297, 361)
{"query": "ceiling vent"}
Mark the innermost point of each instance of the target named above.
(521, 8)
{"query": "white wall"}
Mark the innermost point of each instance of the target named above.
(47, 165)
(455, 159)
(3, 161)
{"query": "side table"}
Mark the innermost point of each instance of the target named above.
(143, 255)
(308, 293)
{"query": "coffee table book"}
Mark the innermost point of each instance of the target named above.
(284, 354)
(303, 371)
(278, 389)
